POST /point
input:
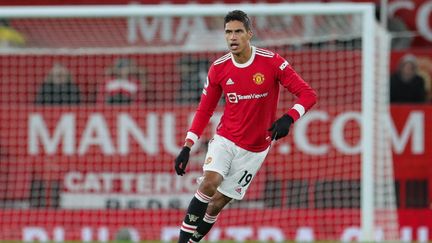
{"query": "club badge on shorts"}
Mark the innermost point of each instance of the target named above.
(208, 160)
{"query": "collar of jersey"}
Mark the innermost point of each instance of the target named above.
(246, 64)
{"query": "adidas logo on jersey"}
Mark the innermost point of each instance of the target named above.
(229, 82)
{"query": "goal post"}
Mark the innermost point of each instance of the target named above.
(367, 177)
(96, 167)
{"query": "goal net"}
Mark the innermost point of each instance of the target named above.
(96, 103)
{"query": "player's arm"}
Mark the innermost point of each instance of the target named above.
(306, 97)
(209, 100)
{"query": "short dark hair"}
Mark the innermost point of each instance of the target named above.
(239, 16)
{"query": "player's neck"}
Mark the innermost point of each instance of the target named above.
(243, 56)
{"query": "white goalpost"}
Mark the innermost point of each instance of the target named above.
(102, 165)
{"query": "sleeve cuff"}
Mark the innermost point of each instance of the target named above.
(192, 136)
(296, 112)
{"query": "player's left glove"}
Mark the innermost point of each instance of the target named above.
(280, 127)
(182, 160)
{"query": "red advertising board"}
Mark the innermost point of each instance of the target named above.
(122, 157)
(416, 15)
(276, 225)
(135, 132)
(48, 143)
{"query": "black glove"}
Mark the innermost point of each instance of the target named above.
(280, 127)
(182, 160)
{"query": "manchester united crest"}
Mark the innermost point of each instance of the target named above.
(208, 160)
(258, 78)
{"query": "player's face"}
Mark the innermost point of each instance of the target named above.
(237, 37)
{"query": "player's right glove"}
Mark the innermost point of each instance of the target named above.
(182, 160)
(280, 127)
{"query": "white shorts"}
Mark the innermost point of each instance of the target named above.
(237, 166)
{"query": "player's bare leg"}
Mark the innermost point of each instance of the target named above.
(198, 205)
(217, 203)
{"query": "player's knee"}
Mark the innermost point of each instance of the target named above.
(208, 187)
(210, 183)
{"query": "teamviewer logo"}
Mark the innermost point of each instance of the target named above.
(232, 97)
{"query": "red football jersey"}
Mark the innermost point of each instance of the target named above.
(251, 93)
